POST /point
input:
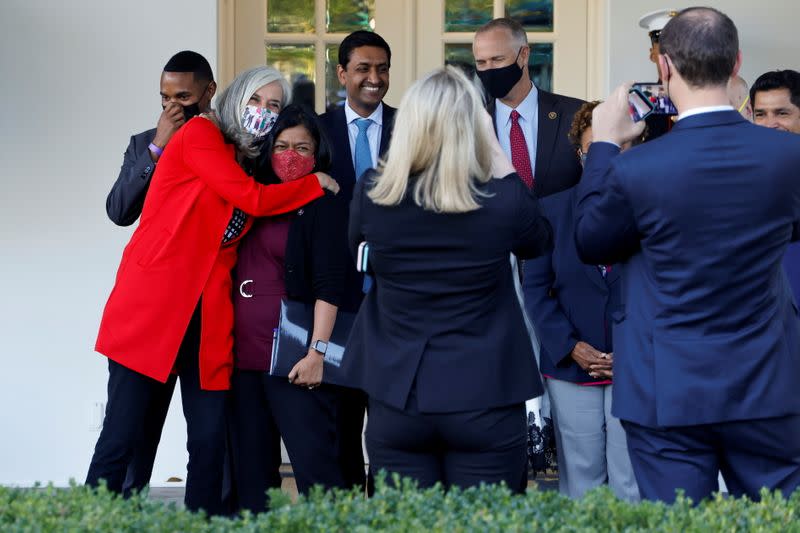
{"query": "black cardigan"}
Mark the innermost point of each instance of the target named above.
(317, 257)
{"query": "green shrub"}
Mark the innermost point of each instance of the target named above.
(488, 508)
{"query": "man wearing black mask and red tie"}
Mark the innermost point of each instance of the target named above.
(531, 124)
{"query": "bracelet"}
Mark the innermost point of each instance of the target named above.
(155, 149)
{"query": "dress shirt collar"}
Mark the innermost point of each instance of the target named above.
(527, 108)
(704, 109)
(376, 116)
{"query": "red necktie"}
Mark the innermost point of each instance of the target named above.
(519, 151)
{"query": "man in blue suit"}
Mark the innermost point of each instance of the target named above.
(775, 97)
(359, 133)
(707, 345)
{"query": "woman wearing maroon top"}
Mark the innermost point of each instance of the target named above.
(301, 256)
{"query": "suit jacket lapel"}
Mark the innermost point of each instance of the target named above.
(546, 133)
(386, 130)
(341, 137)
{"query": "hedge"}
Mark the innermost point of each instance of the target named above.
(487, 508)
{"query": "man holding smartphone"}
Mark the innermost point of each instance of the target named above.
(707, 342)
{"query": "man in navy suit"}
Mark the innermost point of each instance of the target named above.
(707, 345)
(359, 133)
(531, 124)
(186, 87)
(775, 97)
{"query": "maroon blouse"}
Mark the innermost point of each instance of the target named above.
(258, 286)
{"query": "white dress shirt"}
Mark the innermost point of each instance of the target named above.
(528, 110)
(373, 132)
(704, 109)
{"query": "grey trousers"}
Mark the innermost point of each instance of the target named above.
(591, 443)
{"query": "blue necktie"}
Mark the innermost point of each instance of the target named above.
(363, 160)
(363, 163)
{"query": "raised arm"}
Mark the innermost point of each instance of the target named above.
(206, 154)
(125, 201)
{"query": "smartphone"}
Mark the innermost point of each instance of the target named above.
(640, 106)
(656, 94)
(362, 259)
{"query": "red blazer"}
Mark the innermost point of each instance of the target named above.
(176, 255)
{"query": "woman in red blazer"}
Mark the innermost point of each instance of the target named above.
(170, 309)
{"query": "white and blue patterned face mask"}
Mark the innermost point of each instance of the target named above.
(258, 120)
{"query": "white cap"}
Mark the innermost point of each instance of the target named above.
(656, 20)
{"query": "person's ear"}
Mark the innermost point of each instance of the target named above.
(664, 68)
(524, 55)
(212, 90)
(341, 74)
(737, 65)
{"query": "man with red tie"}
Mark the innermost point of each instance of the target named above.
(531, 124)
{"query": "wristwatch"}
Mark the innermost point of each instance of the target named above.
(319, 346)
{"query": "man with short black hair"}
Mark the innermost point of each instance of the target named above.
(707, 343)
(359, 132)
(187, 87)
(775, 97)
(531, 124)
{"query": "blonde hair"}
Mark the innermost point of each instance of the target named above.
(439, 146)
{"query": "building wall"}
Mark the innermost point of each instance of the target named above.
(78, 78)
(767, 36)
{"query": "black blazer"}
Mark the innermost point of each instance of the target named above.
(125, 201)
(443, 316)
(334, 124)
(567, 300)
(316, 252)
(557, 166)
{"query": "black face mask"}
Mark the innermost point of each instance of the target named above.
(190, 111)
(499, 81)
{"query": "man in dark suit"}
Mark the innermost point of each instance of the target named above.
(775, 97)
(707, 346)
(187, 87)
(531, 124)
(359, 133)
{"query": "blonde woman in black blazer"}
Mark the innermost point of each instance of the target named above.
(439, 344)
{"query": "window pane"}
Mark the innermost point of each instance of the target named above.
(535, 15)
(290, 16)
(350, 15)
(296, 63)
(466, 15)
(334, 92)
(540, 65)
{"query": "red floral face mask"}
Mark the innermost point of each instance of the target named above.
(289, 165)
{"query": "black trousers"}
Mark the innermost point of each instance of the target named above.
(130, 402)
(750, 454)
(460, 449)
(140, 469)
(352, 406)
(265, 408)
